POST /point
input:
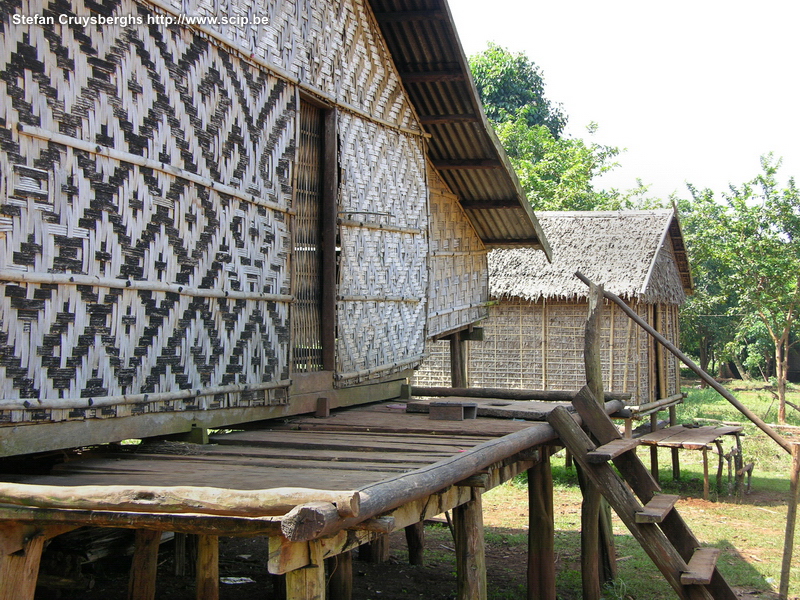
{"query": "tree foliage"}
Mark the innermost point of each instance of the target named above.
(556, 172)
(746, 256)
(511, 88)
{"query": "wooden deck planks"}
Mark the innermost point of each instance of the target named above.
(528, 410)
(686, 437)
(381, 420)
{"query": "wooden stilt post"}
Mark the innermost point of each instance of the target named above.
(376, 551)
(654, 449)
(207, 568)
(676, 459)
(20, 569)
(600, 562)
(590, 538)
(458, 361)
(340, 578)
(308, 583)
(179, 550)
(142, 581)
(791, 519)
(415, 540)
(541, 531)
(470, 552)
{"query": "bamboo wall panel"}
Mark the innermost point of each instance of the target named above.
(540, 346)
(458, 264)
(670, 329)
(332, 46)
(383, 277)
(307, 314)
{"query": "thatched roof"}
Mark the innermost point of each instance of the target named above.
(634, 254)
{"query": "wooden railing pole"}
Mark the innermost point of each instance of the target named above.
(791, 519)
(691, 364)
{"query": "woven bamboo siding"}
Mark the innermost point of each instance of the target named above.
(459, 271)
(540, 346)
(669, 320)
(435, 369)
(146, 202)
(307, 313)
(333, 47)
(383, 275)
(164, 189)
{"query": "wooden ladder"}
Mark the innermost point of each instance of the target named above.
(651, 517)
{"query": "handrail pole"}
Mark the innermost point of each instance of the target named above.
(780, 440)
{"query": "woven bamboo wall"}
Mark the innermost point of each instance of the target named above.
(669, 326)
(383, 275)
(145, 209)
(540, 346)
(458, 266)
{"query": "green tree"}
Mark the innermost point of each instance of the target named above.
(511, 88)
(556, 172)
(753, 236)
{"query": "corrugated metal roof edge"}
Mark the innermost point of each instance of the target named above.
(499, 151)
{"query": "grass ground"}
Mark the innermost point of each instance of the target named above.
(749, 529)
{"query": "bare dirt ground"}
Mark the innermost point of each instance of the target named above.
(245, 559)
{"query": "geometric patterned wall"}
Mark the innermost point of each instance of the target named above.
(383, 265)
(146, 198)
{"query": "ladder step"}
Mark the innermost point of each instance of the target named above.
(611, 450)
(658, 508)
(701, 567)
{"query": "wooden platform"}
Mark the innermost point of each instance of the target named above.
(691, 438)
(402, 467)
(696, 438)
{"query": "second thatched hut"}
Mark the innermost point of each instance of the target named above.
(533, 338)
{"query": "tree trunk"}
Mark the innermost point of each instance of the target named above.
(704, 359)
(740, 367)
(781, 370)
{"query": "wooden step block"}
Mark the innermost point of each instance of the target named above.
(611, 450)
(658, 508)
(701, 567)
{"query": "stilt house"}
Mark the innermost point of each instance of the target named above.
(534, 335)
(214, 223)
(215, 214)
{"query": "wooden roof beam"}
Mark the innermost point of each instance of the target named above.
(404, 16)
(448, 119)
(433, 76)
(534, 243)
(502, 204)
(467, 164)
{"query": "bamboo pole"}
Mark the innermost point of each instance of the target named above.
(691, 364)
(504, 394)
(791, 520)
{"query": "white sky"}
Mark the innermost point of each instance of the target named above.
(695, 90)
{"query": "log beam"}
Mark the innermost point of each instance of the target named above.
(506, 394)
(309, 521)
(175, 499)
